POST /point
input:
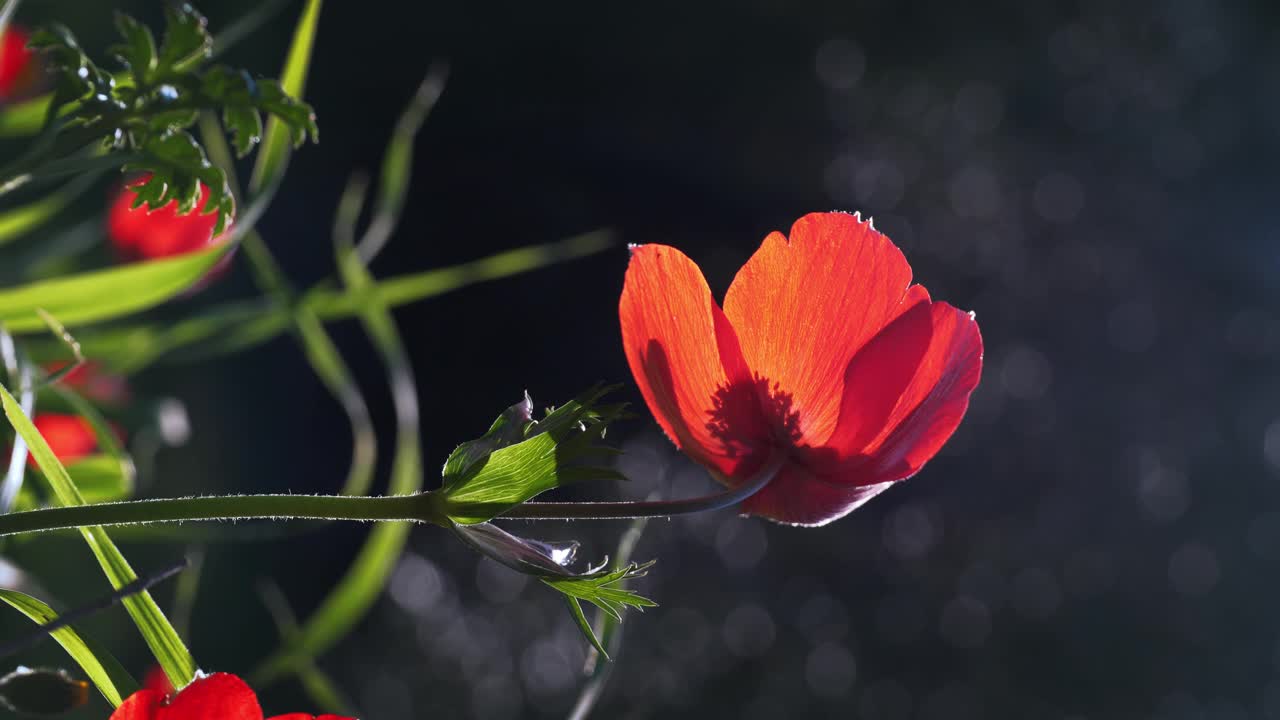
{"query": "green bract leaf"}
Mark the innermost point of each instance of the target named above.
(606, 593)
(106, 673)
(520, 458)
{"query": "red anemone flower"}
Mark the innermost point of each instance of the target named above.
(144, 234)
(17, 66)
(70, 437)
(824, 354)
(219, 696)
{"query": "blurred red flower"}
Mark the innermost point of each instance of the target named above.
(144, 234)
(93, 381)
(17, 64)
(824, 352)
(220, 696)
(70, 437)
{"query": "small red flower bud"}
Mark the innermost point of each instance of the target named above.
(142, 233)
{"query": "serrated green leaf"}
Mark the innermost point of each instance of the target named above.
(186, 38)
(245, 126)
(138, 49)
(558, 450)
(155, 628)
(178, 165)
(106, 673)
(105, 294)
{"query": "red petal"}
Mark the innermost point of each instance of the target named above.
(685, 357)
(798, 497)
(142, 705)
(932, 406)
(803, 308)
(220, 696)
(877, 377)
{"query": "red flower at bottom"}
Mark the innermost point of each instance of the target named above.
(824, 355)
(220, 696)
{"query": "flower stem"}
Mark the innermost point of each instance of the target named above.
(646, 509)
(403, 508)
(422, 507)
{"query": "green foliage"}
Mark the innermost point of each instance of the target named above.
(100, 295)
(143, 111)
(155, 628)
(102, 669)
(520, 458)
(606, 592)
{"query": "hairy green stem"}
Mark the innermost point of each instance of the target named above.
(426, 507)
(408, 508)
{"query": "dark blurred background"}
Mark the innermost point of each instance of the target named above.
(1095, 180)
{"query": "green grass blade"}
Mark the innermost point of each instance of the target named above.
(273, 154)
(156, 630)
(105, 294)
(241, 325)
(331, 304)
(103, 670)
(397, 165)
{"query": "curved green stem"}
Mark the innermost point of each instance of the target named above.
(406, 508)
(647, 509)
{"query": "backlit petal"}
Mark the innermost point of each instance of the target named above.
(220, 696)
(802, 309)
(797, 497)
(142, 705)
(685, 357)
(933, 404)
(877, 377)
